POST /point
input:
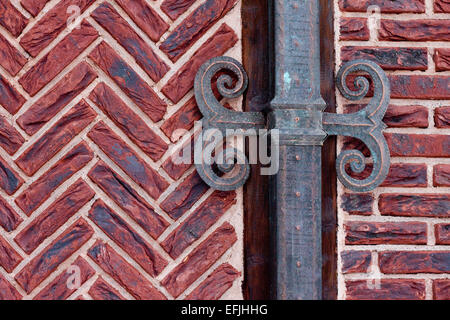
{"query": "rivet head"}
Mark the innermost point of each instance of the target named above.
(297, 194)
(297, 119)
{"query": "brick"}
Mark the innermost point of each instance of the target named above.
(357, 203)
(390, 289)
(58, 213)
(9, 258)
(415, 30)
(389, 58)
(10, 139)
(145, 17)
(419, 87)
(10, 180)
(49, 66)
(71, 124)
(7, 291)
(441, 287)
(175, 8)
(355, 261)
(58, 289)
(183, 81)
(441, 175)
(101, 290)
(410, 262)
(386, 6)
(128, 199)
(183, 120)
(198, 223)
(216, 284)
(41, 189)
(194, 26)
(33, 6)
(9, 219)
(442, 117)
(50, 25)
(53, 255)
(442, 233)
(57, 98)
(109, 19)
(184, 196)
(10, 58)
(126, 237)
(442, 59)
(354, 29)
(123, 272)
(359, 233)
(11, 18)
(129, 81)
(418, 145)
(415, 205)
(10, 98)
(200, 260)
(128, 121)
(176, 169)
(441, 6)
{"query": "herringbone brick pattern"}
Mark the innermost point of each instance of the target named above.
(92, 94)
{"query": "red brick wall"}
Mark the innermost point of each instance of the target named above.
(394, 242)
(87, 121)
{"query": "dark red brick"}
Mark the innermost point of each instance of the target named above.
(34, 6)
(442, 233)
(175, 8)
(357, 203)
(11, 18)
(415, 30)
(10, 180)
(441, 6)
(58, 213)
(176, 169)
(390, 289)
(217, 283)
(9, 258)
(10, 98)
(442, 59)
(58, 288)
(129, 81)
(129, 122)
(109, 19)
(128, 199)
(386, 6)
(145, 17)
(442, 117)
(420, 87)
(183, 81)
(42, 188)
(194, 26)
(358, 233)
(200, 260)
(53, 255)
(418, 145)
(182, 120)
(441, 287)
(7, 291)
(49, 66)
(50, 25)
(356, 261)
(10, 58)
(123, 272)
(441, 175)
(101, 290)
(415, 205)
(72, 123)
(354, 29)
(9, 219)
(57, 98)
(409, 262)
(127, 238)
(10, 139)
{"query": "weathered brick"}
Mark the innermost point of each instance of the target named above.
(101, 290)
(129, 81)
(355, 261)
(441, 6)
(53, 255)
(441, 175)
(128, 199)
(58, 288)
(7, 291)
(442, 233)
(198, 223)
(175, 8)
(11, 19)
(9, 219)
(61, 210)
(409, 262)
(182, 120)
(441, 287)
(10, 58)
(415, 205)
(10, 180)
(389, 58)
(123, 272)
(415, 30)
(10, 139)
(194, 26)
(386, 6)
(128, 160)
(390, 289)
(10, 98)
(354, 29)
(385, 233)
(357, 203)
(216, 284)
(50, 25)
(9, 258)
(49, 66)
(72, 123)
(420, 87)
(128, 121)
(57, 98)
(442, 117)
(145, 17)
(200, 260)
(418, 145)
(109, 19)
(176, 169)
(442, 59)
(127, 238)
(33, 6)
